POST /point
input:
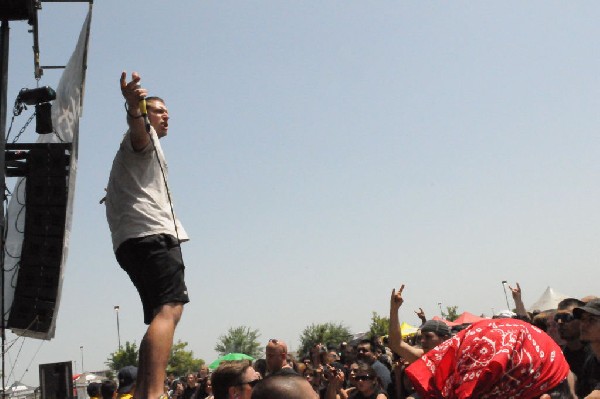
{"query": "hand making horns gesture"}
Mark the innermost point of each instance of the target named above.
(396, 299)
(421, 314)
(516, 292)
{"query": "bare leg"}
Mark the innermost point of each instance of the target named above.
(154, 351)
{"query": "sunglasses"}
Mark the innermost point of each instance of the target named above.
(363, 377)
(564, 317)
(251, 383)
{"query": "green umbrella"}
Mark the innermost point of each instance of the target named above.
(229, 356)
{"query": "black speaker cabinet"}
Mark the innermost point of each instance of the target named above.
(56, 380)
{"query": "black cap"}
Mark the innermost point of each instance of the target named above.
(127, 376)
(436, 326)
(592, 307)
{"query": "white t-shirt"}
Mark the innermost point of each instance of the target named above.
(137, 204)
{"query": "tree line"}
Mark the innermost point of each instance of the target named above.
(244, 339)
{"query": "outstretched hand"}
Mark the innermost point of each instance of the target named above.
(396, 299)
(132, 92)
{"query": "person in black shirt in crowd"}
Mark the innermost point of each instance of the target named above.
(589, 317)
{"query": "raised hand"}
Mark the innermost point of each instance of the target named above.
(421, 315)
(516, 292)
(132, 92)
(396, 299)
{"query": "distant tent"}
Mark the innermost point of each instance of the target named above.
(548, 301)
(19, 390)
(89, 377)
(468, 318)
(407, 330)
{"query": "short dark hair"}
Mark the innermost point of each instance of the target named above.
(365, 341)
(93, 389)
(227, 375)
(107, 389)
(377, 347)
(568, 302)
(540, 320)
(260, 365)
(155, 98)
(367, 369)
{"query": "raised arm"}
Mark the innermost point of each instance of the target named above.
(397, 344)
(336, 379)
(519, 305)
(421, 315)
(133, 94)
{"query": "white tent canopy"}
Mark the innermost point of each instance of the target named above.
(19, 390)
(549, 300)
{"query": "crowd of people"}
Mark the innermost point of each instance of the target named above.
(493, 358)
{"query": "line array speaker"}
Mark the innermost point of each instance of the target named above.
(38, 278)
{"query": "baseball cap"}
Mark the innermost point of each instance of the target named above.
(436, 326)
(127, 376)
(592, 307)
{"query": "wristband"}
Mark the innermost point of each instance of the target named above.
(129, 113)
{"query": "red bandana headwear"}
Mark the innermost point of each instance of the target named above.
(499, 358)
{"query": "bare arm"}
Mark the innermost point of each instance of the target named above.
(519, 305)
(336, 378)
(595, 394)
(133, 94)
(421, 315)
(314, 355)
(397, 344)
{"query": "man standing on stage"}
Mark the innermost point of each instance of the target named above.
(145, 232)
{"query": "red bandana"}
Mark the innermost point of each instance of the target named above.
(498, 358)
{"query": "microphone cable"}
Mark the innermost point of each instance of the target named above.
(144, 111)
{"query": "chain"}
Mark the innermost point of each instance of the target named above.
(23, 128)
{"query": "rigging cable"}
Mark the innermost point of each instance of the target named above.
(42, 342)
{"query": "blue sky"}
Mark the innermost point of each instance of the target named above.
(322, 153)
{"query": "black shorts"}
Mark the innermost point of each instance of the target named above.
(155, 267)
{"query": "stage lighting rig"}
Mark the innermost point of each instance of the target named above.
(36, 96)
(40, 97)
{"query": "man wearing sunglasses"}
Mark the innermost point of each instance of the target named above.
(574, 350)
(365, 352)
(589, 319)
(234, 380)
